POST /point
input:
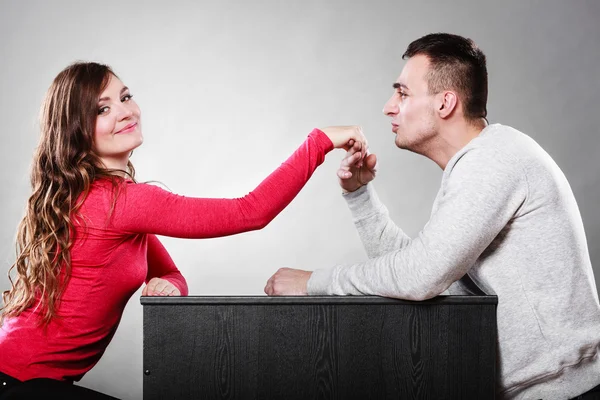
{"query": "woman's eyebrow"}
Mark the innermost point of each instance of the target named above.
(125, 88)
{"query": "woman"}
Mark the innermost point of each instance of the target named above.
(87, 243)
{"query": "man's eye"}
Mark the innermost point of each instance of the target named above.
(103, 110)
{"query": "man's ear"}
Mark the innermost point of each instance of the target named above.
(446, 103)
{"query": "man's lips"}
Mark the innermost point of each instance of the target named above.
(128, 128)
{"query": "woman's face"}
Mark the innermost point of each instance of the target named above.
(118, 126)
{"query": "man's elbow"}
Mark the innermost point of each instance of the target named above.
(425, 295)
(426, 291)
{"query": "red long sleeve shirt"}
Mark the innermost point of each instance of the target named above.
(114, 253)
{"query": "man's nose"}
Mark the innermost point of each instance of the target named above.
(391, 107)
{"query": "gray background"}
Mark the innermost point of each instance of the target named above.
(229, 89)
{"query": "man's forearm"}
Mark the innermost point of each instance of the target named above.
(379, 234)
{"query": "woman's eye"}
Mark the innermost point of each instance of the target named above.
(127, 97)
(103, 110)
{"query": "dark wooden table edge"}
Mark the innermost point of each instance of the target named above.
(324, 300)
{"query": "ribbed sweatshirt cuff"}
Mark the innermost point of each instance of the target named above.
(363, 202)
(320, 282)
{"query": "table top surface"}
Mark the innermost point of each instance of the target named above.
(299, 300)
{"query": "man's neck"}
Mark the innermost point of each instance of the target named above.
(451, 138)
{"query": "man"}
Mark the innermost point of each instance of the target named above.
(505, 221)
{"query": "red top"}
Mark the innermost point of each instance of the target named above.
(112, 257)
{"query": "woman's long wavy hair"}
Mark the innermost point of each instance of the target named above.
(64, 166)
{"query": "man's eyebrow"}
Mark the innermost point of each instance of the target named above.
(398, 85)
(125, 88)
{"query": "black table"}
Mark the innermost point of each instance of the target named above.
(350, 347)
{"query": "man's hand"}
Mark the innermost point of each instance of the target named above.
(356, 171)
(288, 282)
(160, 287)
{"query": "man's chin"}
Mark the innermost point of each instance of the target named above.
(404, 145)
(401, 144)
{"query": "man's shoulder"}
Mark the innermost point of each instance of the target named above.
(494, 156)
(505, 144)
(485, 162)
(502, 138)
(503, 154)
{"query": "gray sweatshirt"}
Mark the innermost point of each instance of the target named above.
(506, 217)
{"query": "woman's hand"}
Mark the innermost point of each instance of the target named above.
(344, 137)
(160, 287)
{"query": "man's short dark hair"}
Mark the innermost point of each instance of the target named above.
(456, 64)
